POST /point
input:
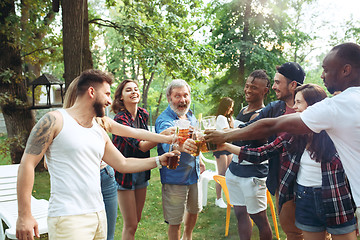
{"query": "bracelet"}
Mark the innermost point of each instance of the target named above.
(157, 160)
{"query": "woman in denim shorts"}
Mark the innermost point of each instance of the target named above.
(311, 173)
(131, 186)
(224, 120)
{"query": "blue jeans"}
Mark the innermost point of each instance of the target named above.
(109, 192)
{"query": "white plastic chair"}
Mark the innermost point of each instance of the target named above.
(204, 179)
(9, 206)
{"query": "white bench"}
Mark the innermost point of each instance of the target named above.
(9, 207)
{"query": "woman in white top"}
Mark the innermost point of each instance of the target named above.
(224, 120)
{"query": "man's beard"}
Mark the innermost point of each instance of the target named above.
(179, 112)
(99, 109)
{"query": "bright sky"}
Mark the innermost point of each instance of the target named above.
(331, 16)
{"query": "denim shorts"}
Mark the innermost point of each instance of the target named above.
(138, 182)
(218, 153)
(310, 213)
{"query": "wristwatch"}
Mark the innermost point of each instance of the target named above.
(157, 160)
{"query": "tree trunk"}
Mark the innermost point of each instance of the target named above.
(144, 93)
(13, 99)
(77, 55)
(160, 97)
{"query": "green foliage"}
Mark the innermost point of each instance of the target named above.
(243, 30)
(152, 39)
(300, 43)
(252, 35)
(351, 33)
(35, 34)
(4, 150)
(8, 77)
(40, 38)
(249, 36)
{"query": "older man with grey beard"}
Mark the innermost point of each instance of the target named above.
(180, 185)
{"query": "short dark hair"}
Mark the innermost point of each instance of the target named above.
(92, 78)
(118, 104)
(261, 74)
(349, 53)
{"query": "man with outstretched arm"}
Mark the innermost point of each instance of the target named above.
(338, 116)
(74, 145)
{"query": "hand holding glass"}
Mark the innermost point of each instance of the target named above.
(209, 123)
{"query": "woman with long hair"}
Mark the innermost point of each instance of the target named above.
(311, 174)
(224, 120)
(131, 187)
(107, 174)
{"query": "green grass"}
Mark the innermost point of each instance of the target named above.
(4, 158)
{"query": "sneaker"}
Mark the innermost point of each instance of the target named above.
(220, 203)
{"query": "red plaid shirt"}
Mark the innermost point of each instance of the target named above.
(129, 147)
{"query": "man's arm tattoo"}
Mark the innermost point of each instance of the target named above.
(40, 135)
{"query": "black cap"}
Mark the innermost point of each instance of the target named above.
(292, 71)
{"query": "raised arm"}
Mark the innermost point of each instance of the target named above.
(126, 131)
(258, 154)
(39, 140)
(290, 123)
(115, 159)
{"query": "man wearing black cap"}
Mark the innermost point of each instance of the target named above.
(287, 78)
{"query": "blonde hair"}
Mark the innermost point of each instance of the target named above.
(69, 100)
(70, 95)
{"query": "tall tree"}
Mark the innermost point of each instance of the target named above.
(300, 42)
(155, 38)
(77, 54)
(250, 34)
(13, 99)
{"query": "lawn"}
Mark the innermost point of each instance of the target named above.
(210, 224)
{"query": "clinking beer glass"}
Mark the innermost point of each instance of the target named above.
(210, 123)
(200, 142)
(173, 161)
(183, 126)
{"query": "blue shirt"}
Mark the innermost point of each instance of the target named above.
(188, 171)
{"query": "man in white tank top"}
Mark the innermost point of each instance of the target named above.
(74, 145)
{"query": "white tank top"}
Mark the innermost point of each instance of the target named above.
(73, 160)
(309, 174)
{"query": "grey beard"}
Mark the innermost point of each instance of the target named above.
(179, 113)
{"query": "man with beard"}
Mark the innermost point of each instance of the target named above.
(179, 186)
(338, 116)
(288, 76)
(74, 145)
